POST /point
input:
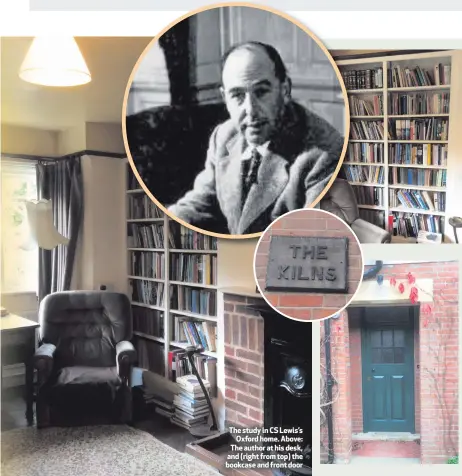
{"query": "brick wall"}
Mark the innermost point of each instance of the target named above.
(436, 353)
(243, 336)
(309, 306)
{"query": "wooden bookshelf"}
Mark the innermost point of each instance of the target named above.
(393, 101)
(171, 278)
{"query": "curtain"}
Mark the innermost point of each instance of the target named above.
(61, 182)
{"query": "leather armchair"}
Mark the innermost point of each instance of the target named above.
(85, 358)
(341, 201)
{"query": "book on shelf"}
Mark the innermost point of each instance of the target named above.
(370, 106)
(410, 224)
(365, 174)
(418, 154)
(148, 321)
(198, 301)
(146, 236)
(148, 292)
(186, 239)
(369, 195)
(368, 153)
(405, 76)
(418, 199)
(194, 268)
(377, 217)
(147, 264)
(418, 103)
(150, 355)
(366, 130)
(195, 332)
(418, 177)
(141, 206)
(434, 128)
(371, 78)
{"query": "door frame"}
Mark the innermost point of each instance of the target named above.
(412, 325)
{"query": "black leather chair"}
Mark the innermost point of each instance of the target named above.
(84, 361)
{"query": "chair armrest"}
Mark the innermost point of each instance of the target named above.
(43, 361)
(370, 233)
(126, 357)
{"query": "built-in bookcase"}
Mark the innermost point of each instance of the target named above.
(397, 158)
(172, 276)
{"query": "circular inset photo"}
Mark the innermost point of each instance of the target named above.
(308, 264)
(233, 116)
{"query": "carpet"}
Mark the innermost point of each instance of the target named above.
(112, 450)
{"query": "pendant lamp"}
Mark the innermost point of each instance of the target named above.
(42, 231)
(55, 62)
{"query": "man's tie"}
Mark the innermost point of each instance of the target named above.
(250, 173)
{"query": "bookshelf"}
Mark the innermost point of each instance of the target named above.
(397, 158)
(172, 276)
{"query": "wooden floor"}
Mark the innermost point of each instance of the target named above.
(13, 416)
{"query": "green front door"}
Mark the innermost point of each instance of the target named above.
(388, 369)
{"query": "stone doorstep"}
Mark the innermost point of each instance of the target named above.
(385, 436)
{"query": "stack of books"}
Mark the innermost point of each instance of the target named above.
(191, 407)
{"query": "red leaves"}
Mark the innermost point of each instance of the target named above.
(414, 295)
(392, 282)
(426, 309)
(401, 288)
(410, 278)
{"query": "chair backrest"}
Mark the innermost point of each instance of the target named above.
(169, 144)
(85, 326)
(341, 201)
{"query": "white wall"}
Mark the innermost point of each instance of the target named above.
(102, 256)
(235, 263)
(28, 141)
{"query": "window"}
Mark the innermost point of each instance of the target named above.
(19, 264)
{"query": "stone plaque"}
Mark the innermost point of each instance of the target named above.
(311, 264)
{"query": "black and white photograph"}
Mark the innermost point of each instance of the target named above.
(233, 117)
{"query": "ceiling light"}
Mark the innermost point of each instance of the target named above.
(53, 61)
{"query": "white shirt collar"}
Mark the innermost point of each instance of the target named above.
(262, 149)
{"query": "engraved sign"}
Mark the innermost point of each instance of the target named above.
(312, 264)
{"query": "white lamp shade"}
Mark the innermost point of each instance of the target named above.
(42, 230)
(54, 62)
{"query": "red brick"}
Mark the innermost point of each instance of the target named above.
(248, 355)
(300, 300)
(251, 401)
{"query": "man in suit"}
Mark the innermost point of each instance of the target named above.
(270, 157)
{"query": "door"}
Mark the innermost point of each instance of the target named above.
(388, 370)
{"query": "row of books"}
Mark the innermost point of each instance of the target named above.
(195, 332)
(363, 79)
(141, 206)
(150, 355)
(363, 173)
(146, 236)
(148, 292)
(179, 365)
(430, 103)
(199, 301)
(132, 182)
(377, 217)
(187, 239)
(405, 77)
(372, 106)
(366, 130)
(421, 200)
(422, 177)
(191, 408)
(369, 195)
(409, 224)
(434, 128)
(148, 321)
(420, 154)
(147, 264)
(192, 268)
(362, 152)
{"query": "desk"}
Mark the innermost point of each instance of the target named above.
(18, 346)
